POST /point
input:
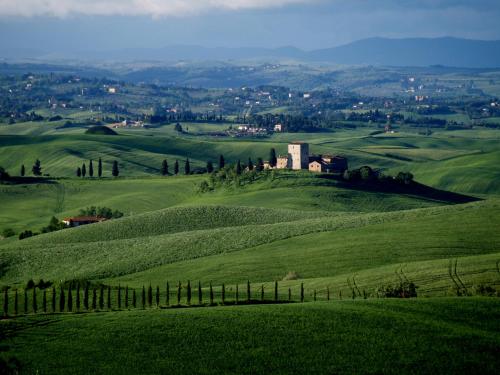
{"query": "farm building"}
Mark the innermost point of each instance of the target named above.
(298, 158)
(82, 220)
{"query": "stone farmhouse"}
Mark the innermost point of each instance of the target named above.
(298, 158)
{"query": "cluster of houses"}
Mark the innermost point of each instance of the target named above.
(82, 220)
(298, 158)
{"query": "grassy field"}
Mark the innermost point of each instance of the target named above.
(379, 336)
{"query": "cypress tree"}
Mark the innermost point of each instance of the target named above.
(37, 168)
(150, 296)
(250, 164)
(54, 297)
(211, 294)
(115, 170)
(289, 294)
(126, 297)
(314, 294)
(16, 303)
(301, 292)
(236, 296)
(327, 293)
(77, 297)
(94, 299)
(86, 296)
(91, 168)
(119, 297)
(272, 158)
(6, 302)
(248, 291)
(84, 170)
(276, 291)
(25, 301)
(238, 168)
(223, 293)
(179, 290)
(109, 298)
(200, 294)
(262, 292)
(222, 162)
(70, 299)
(168, 294)
(78, 172)
(187, 167)
(134, 299)
(23, 171)
(188, 294)
(210, 167)
(44, 300)
(99, 168)
(157, 296)
(62, 300)
(340, 294)
(35, 305)
(143, 299)
(260, 165)
(176, 167)
(101, 298)
(164, 168)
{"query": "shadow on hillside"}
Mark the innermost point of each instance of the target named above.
(29, 180)
(413, 188)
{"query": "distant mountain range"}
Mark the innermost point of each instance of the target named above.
(452, 52)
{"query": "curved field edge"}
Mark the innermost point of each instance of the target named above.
(107, 259)
(432, 335)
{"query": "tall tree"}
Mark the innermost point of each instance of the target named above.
(62, 300)
(70, 298)
(37, 168)
(115, 171)
(164, 168)
(35, 305)
(78, 172)
(150, 295)
(250, 164)
(210, 167)
(23, 171)
(99, 168)
(91, 168)
(200, 294)
(86, 296)
(188, 295)
(54, 297)
(187, 167)
(272, 158)
(143, 297)
(84, 170)
(176, 167)
(238, 168)
(260, 165)
(222, 162)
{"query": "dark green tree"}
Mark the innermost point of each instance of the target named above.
(188, 293)
(37, 168)
(78, 172)
(301, 292)
(101, 297)
(16, 303)
(250, 164)
(23, 171)
(223, 293)
(62, 300)
(115, 171)
(236, 295)
(134, 299)
(126, 297)
(176, 167)
(91, 168)
(86, 296)
(34, 302)
(94, 299)
(260, 165)
(157, 296)
(25, 301)
(248, 291)
(276, 291)
(210, 167)
(99, 168)
(150, 296)
(167, 301)
(222, 162)
(262, 293)
(238, 168)
(187, 167)
(143, 297)
(84, 170)
(54, 298)
(119, 297)
(70, 299)
(211, 294)
(314, 294)
(289, 294)
(108, 304)
(200, 294)
(272, 158)
(179, 292)
(164, 168)
(44, 300)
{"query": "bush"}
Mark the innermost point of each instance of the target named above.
(6, 233)
(105, 212)
(484, 290)
(402, 290)
(26, 234)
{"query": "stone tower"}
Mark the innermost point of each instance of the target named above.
(299, 155)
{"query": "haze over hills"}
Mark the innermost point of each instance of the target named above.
(445, 51)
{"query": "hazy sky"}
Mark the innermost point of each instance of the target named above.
(101, 24)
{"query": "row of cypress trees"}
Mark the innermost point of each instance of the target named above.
(100, 298)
